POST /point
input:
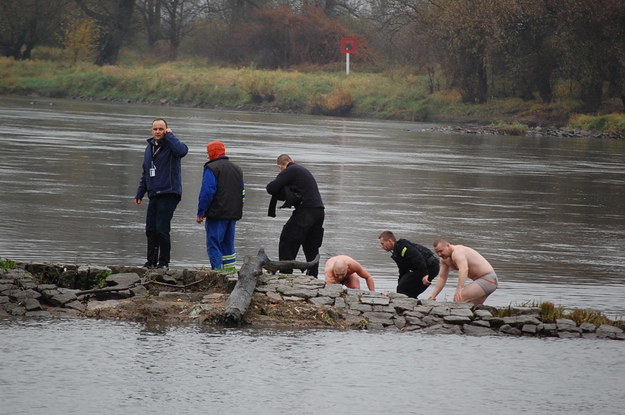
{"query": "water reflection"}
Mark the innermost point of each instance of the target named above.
(546, 212)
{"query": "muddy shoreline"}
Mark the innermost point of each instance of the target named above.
(470, 129)
(450, 125)
(456, 126)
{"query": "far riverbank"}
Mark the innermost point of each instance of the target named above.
(393, 95)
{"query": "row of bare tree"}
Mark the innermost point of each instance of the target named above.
(484, 48)
(490, 47)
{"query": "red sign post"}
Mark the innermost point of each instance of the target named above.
(348, 46)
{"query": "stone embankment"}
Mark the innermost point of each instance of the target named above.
(372, 310)
(530, 132)
(38, 290)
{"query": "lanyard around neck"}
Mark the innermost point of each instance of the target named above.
(155, 150)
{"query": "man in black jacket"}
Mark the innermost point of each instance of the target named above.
(417, 264)
(298, 187)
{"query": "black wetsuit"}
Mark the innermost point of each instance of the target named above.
(298, 187)
(414, 262)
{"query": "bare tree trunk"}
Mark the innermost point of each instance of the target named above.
(151, 12)
(241, 296)
(115, 19)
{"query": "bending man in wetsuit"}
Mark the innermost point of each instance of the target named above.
(417, 264)
(469, 264)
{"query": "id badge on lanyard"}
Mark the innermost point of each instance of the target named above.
(154, 153)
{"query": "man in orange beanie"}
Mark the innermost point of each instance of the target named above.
(221, 204)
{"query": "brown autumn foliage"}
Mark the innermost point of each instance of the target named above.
(482, 48)
(339, 102)
(280, 38)
(492, 48)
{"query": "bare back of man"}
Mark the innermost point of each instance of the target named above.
(342, 269)
(470, 264)
(477, 264)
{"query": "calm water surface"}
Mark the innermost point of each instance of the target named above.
(96, 367)
(547, 213)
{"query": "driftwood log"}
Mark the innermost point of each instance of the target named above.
(241, 296)
(104, 290)
(116, 288)
(284, 266)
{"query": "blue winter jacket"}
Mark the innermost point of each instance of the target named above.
(229, 194)
(165, 159)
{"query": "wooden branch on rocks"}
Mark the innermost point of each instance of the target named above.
(104, 290)
(274, 266)
(241, 296)
(164, 284)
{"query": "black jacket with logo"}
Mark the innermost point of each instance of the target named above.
(412, 257)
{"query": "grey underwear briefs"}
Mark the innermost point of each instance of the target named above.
(488, 282)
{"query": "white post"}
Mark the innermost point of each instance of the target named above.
(347, 63)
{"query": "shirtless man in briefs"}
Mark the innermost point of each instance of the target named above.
(342, 269)
(469, 264)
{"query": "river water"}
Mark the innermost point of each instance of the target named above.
(546, 212)
(100, 367)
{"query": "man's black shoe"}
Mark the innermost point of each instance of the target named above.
(163, 266)
(147, 265)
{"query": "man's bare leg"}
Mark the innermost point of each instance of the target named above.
(473, 293)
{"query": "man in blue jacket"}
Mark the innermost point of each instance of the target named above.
(161, 179)
(221, 204)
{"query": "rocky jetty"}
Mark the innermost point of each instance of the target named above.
(536, 131)
(383, 311)
(199, 295)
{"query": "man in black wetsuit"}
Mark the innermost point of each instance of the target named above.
(417, 264)
(297, 186)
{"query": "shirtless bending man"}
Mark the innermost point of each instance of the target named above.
(342, 269)
(469, 264)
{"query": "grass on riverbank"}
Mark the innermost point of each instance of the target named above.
(7, 263)
(549, 313)
(394, 94)
(608, 122)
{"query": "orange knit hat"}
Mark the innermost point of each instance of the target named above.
(215, 149)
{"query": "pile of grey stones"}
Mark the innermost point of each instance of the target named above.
(68, 289)
(392, 311)
(22, 295)
(531, 131)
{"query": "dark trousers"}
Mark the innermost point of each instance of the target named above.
(304, 228)
(157, 226)
(412, 285)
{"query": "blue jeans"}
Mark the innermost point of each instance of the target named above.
(220, 243)
(157, 226)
